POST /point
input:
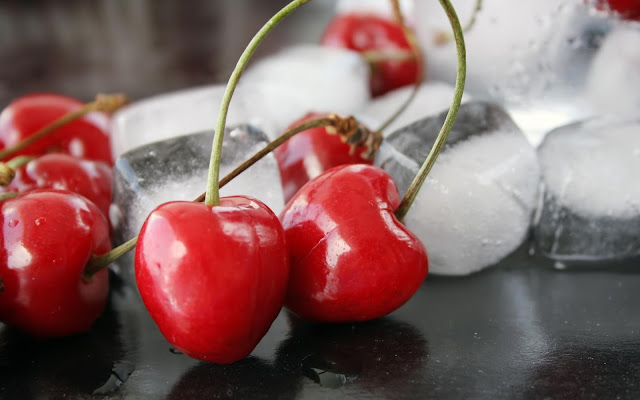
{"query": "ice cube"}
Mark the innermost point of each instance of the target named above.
(613, 83)
(590, 210)
(176, 114)
(176, 169)
(431, 98)
(476, 205)
(305, 78)
(271, 94)
(530, 56)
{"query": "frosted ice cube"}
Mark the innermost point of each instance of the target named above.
(476, 205)
(431, 98)
(301, 79)
(178, 113)
(176, 169)
(613, 83)
(531, 56)
(591, 205)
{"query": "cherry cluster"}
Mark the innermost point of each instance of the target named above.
(59, 220)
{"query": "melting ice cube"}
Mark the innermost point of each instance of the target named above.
(591, 207)
(613, 84)
(176, 169)
(301, 79)
(476, 205)
(431, 98)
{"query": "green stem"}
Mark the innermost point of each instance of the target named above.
(411, 194)
(212, 196)
(96, 263)
(446, 37)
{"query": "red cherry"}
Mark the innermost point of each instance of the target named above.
(86, 137)
(371, 32)
(628, 9)
(351, 259)
(47, 238)
(310, 153)
(213, 278)
(92, 179)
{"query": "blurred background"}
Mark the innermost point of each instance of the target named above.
(141, 47)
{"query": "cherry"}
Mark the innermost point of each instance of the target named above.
(351, 259)
(364, 32)
(86, 137)
(628, 9)
(311, 152)
(212, 278)
(47, 238)
(92, 179)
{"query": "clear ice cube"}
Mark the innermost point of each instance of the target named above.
(176, 169)
(590, 210)
(476, 205)
(431, 98)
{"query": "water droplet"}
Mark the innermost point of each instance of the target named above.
(41, 221)
(559, 265)
(13, 223)
(174, 351)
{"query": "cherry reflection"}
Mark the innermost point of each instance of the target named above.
(379, 357)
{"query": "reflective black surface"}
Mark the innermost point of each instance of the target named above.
(518, 330)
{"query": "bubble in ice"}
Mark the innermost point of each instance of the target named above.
(305, 78)
(430, 99)
(590, 210)
(476, 205)
(177, 169)
(613, 84)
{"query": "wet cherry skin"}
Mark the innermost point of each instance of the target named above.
(213, 278)
(628, 9)
(86, 137)
(48, 237)
(365, 32)
(310, 153)
(92, 179)
(351, 259)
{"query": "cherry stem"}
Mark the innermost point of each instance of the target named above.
(445, 37)
(417, 54)
(212, 197)
(104, 103)
(8, 169)
(411, 194)
(98, 262)
(8, 195)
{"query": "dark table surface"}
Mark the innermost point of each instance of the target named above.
(517, 330)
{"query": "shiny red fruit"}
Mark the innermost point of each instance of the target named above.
(351, 259)
(310, 153)
(213, 278)
(47, 238)
(628, 9)
(374, 33)
(92, 179)
(86, 137)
